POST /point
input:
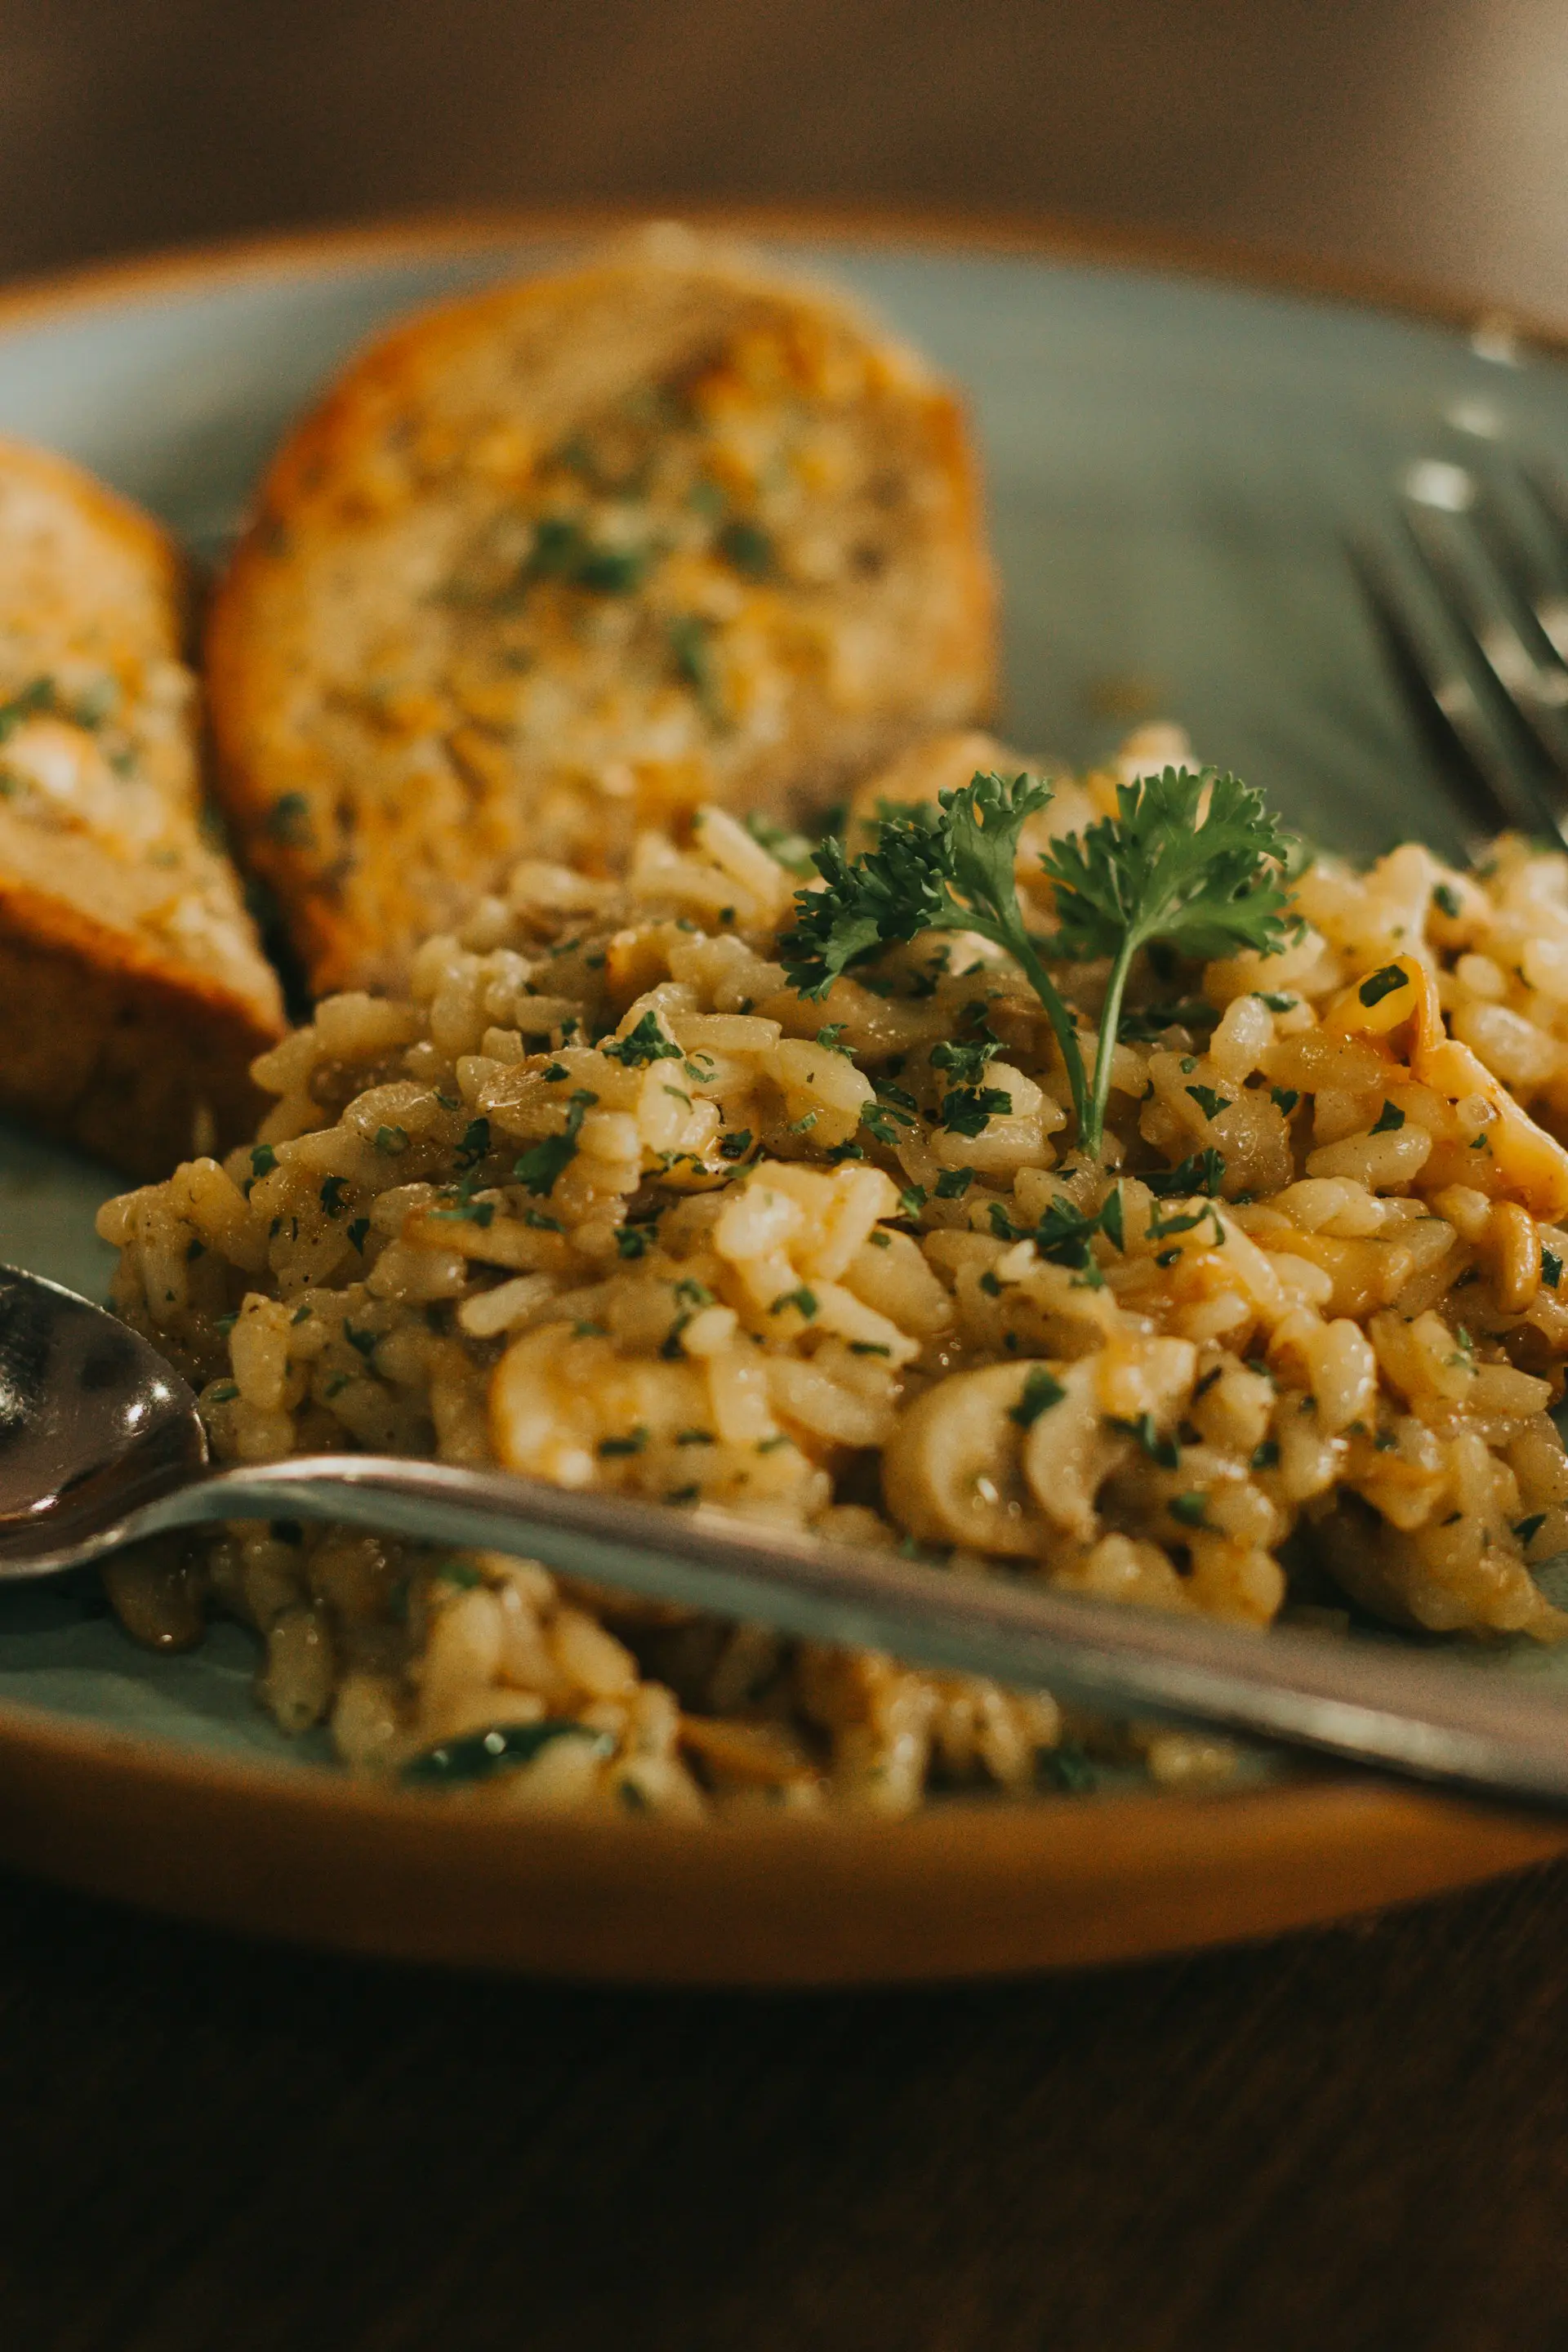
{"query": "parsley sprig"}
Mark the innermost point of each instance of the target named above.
(1192, 860)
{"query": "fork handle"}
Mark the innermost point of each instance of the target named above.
(1465, 1722)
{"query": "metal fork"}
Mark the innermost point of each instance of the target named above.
(1470, 600)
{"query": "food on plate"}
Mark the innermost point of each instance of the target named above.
(139, 991)
(564, 560)
(1065, 1185)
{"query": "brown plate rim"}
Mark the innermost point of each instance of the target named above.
(766, 1899)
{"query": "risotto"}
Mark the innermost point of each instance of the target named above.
(607, 1200)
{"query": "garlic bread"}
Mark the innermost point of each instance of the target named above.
(136, 990)
(577, 555)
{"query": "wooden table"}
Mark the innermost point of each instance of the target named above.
(1353, 2139)
(1348, 2139)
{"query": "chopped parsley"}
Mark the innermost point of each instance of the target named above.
(288, 822)
(1202, 1172)
(969, 1110)
(1389, 1120)
(475, 1143)
(1382, 983)
(646, 1042)
(480, 1754)
(538, 1168)
(28, 702)
(966, 1059)
(803, 1300)
(1162, 1450)
(632, 1442)
(563, 550)
(1041, 1390)
(746, 546)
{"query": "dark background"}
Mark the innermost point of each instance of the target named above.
(1354, 2139)
(1428, 138)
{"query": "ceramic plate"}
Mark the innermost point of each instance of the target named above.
(1171, 462)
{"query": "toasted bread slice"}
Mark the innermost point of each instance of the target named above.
(579, 554)
(135, 989)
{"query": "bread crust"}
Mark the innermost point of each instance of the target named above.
(137, 991)
(431, 440)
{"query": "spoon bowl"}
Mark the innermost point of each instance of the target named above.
(93, 1423)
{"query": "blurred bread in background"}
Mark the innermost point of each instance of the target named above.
(135, 991)
(580, 554)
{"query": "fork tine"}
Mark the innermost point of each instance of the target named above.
(1478, 606)
(1547, 500)
(1486, 777)
(1549, 496)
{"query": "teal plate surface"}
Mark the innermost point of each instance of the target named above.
(1171, 463)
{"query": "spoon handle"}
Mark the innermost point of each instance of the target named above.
(1435, 1718)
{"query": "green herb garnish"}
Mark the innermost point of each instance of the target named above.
(288, 822)
(1210, 1103)
(1382, 983)
(803, 1300)
(969, 1110)
(747, 547)
(646, 1042)
(1041, 1390)
(1389, 1120)
(475, 1143)
(563, 550)
(1202, 1172)
(506, 1749)
(539, 1167)
(1163, 1450)
(1155, 873)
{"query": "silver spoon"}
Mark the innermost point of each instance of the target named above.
(100, 1445)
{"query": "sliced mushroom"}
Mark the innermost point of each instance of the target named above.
(952, 1472)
